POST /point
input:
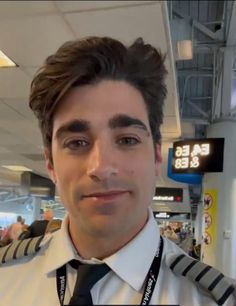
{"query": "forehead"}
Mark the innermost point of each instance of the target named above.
(100, 102)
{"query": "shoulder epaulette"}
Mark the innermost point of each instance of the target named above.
(20, 248)
(207, 277)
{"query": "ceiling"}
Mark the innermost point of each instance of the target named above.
(32, 30)
(212, 25)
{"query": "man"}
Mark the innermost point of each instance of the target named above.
(12, 232)
(100, 107)
(38, 227)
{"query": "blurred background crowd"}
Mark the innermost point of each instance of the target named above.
(20, 230)
(182, 236)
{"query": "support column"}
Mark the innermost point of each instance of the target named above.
(224, 184)
(36, 208)
(229, 59)
(198, 224)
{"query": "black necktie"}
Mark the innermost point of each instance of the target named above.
(87, 276)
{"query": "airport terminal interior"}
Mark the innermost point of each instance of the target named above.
(195, 198)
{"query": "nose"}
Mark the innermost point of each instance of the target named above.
(101, 164)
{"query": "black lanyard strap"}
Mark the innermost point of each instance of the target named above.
(61, 283)
(152, 275)
(149, 284)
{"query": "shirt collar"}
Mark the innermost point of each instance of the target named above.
(133, 261)
(61, 249)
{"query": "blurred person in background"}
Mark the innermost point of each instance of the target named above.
(12, 232)
(170, 234)
(38, 227)
(195, 249)
(16, 229)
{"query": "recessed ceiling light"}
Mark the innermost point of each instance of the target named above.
(185, 50)
(17, 168)
(5, 61)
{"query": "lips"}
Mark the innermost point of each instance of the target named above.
(106, 195)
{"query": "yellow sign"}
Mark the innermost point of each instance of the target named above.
(210, 225)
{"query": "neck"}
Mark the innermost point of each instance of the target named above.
(100, 246)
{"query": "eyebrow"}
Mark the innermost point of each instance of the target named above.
(118, 121)
(122, 121)
(74, 126)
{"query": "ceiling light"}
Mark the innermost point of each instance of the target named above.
(17, 168)
(182, 37)
(5, 61)
(185, 50)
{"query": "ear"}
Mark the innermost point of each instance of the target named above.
(49, 165)
(158, 160)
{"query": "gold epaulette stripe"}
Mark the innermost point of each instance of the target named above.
(20, 248)
(208, 277)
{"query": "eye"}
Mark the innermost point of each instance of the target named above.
(128, 141)
(76, 144)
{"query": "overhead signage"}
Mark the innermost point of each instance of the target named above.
(188, 178)
(167, 194)
(198, 155)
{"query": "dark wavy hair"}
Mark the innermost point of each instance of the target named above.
(90, 60)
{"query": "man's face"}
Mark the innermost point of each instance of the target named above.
(104, 161)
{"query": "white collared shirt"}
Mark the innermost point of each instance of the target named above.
(31, 280)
